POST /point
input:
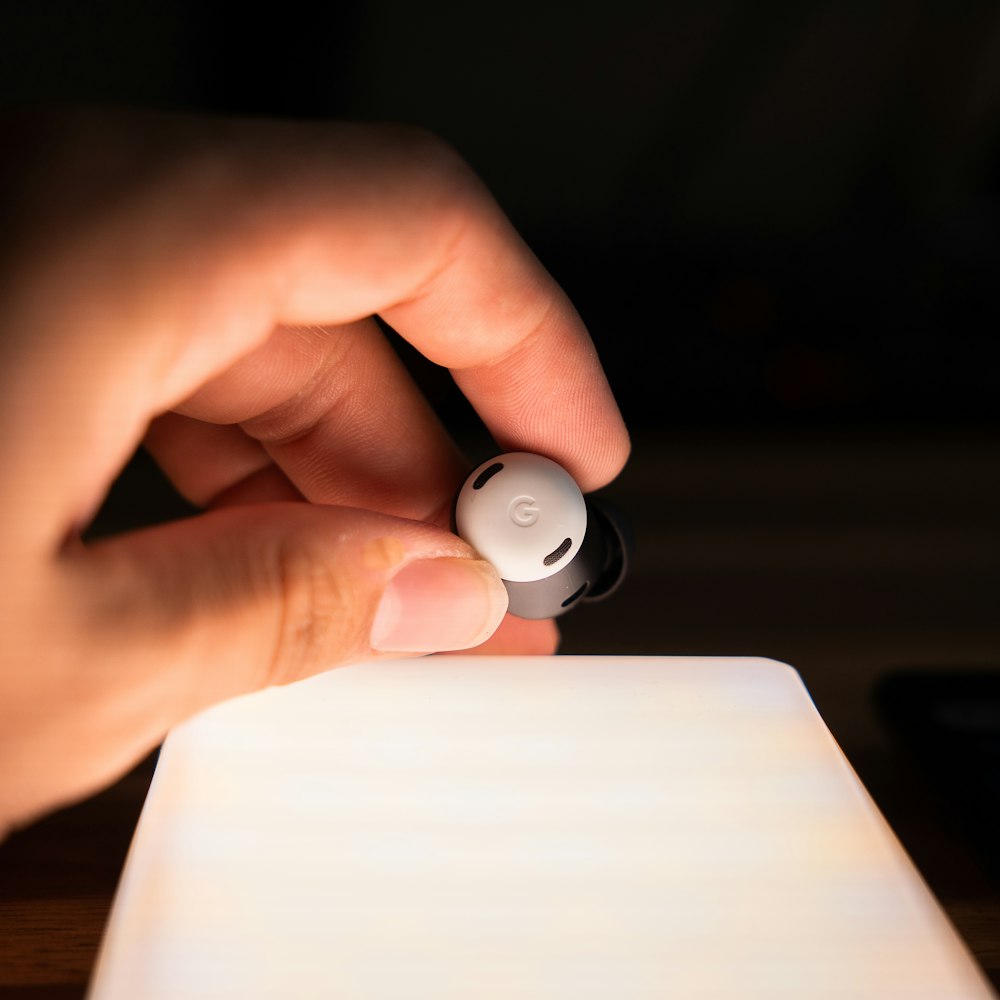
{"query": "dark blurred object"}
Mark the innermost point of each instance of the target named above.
(57, 878)
(950, 723)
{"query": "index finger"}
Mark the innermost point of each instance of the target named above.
(177, 245)
(483, 306)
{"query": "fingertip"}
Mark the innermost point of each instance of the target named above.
(606, 457)
(520, 637)
(439, 604)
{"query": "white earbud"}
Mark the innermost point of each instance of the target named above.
(526, 515)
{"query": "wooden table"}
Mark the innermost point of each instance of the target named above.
(846, 554)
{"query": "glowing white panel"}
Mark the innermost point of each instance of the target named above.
(554, 828)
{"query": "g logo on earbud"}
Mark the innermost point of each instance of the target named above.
(523, 512)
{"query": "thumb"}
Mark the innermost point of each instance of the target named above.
(162, 623)
(248, 597)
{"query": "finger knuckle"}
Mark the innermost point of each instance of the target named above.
(321, 618)
(432, 165)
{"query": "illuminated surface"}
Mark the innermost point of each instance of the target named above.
(502, 828)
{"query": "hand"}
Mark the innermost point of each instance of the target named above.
(208, 286)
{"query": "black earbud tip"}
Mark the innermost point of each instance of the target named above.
(619, 544)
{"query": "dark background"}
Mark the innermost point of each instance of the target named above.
(781, 222)
(782, 213)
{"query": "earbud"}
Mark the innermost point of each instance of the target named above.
(553, 547)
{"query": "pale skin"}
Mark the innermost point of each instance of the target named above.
(207, 287)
